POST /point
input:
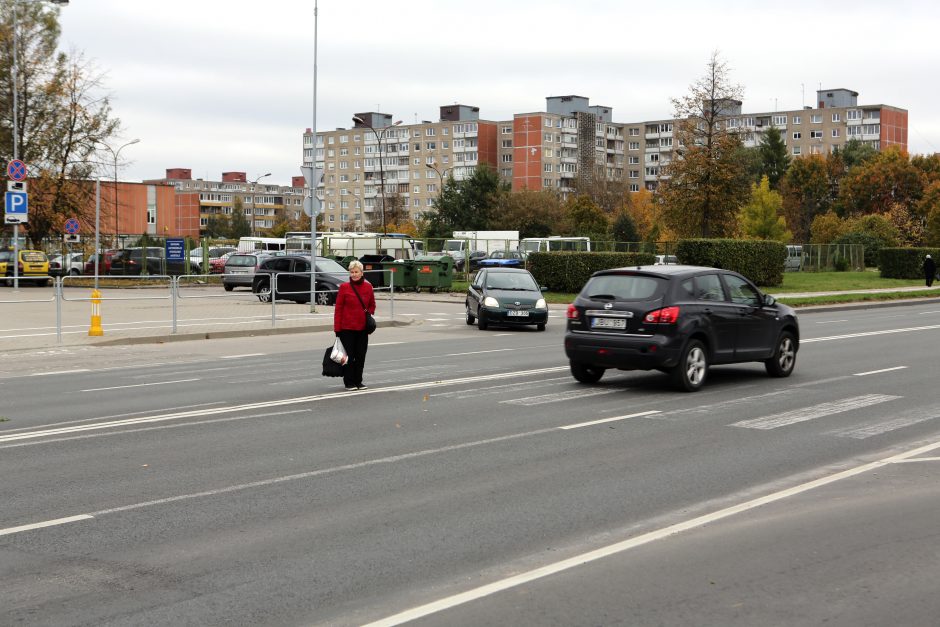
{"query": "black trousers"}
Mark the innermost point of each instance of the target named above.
(356, 344)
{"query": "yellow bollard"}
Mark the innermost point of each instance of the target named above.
(95, 329)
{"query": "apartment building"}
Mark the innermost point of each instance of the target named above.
(570, 140)
(835, 119)
(412, 160)
(262, 203)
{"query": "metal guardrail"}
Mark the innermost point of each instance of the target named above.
(161, 288)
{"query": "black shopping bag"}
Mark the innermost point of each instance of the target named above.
(330, 367)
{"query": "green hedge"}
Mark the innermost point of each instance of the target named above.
(904, 263)
(759, 260)
(569, 271)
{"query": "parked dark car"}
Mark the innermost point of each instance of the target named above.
(240, 269)
(505, 296)
(215, 253)
(503, 258)
(293, 279)
(104, 263)
(475, 257)
(151, 260)
(677, 319)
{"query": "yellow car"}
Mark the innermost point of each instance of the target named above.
(33, 266)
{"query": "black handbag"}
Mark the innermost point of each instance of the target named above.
(370, 321)
(330, 367)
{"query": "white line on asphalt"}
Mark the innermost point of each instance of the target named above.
(616, 418)
(495, 350)
(787, 418)
(619, 547)
(865, 374)
(242, 356)
(139, 385)
(111, 417)
(868, 334)
(46, 523)
(830, 321)
(46, 374)
(557, 397)
(277, 403)
(919, 459)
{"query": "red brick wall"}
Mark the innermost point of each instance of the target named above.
(527, 153)
(487, 146)
(893, 128)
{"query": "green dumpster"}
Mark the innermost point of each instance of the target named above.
(344, 261)
(446, 276)
(401, 274)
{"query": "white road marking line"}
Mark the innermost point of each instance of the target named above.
(242, 356)
(46, 523)
(865, 374)
(919, 459)
(495, 350)
(111, 417)
(559, 397)
(139, 385)
(277, 403)
(868, 334)
(631, 543)
(46, 374)
(830, 321)
(438, 320)
(929, 312)
(616, 418)
(900, 421)
(816, 411)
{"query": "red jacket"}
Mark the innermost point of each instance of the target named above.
(348, 314)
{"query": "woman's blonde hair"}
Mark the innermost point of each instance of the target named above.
(355, 264)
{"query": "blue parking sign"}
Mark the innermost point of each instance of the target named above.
(175, 249)
(16, 207)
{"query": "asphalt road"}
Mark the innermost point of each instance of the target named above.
(474, 483)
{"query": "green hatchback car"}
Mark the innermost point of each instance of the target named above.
(505, 297)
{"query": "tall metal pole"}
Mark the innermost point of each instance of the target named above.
(97, 227)
(16, 149)
(314, 179)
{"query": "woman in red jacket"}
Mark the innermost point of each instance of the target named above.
(349, 322)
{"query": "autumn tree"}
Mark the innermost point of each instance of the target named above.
(239, 226)
(533, 214)
(761, 217)
(705, 184)
(774, 159)
(879, 182)
(806, 193)
(64, 118)
(586, 218)
(827, 228)
(468, 204)
(856, 153)
(929, 207)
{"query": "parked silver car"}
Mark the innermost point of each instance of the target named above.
(240, 269)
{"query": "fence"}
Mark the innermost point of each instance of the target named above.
(153, 305)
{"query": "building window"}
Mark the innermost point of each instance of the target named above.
(507, 158)
(835, 132)
(797, 135)
(507, 143)
(836, 117)
(780, 120)
(634, 174)
(797, 150)
(816, 118)
(634, 132)
(634, 146)
(507, 130)
(853, 114)
(815, 134)
(634, 187)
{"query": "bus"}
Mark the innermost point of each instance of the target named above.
(340, 244)
(554, 243)
(261, 244)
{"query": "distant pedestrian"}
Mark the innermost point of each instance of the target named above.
(930, 270)
(349, 322)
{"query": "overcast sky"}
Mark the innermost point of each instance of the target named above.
(227, 85)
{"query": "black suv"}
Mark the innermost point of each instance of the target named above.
(293, 279)
(679, 320)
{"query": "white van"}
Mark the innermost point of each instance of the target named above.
(794, 260)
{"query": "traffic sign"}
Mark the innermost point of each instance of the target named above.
(16, 208)
(175, 249)
(70, 238)
(72, 226)
(16, 170)
(16, 186)
(313, 206)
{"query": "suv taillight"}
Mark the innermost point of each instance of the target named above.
(572, 312)
(666, 315)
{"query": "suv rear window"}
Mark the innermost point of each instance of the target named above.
(624, 286)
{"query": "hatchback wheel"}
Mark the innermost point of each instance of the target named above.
(585, 373)
(228, 287)
(264, 292)
(470, 317)
(690, 373)
(784, 359)
(481, 322)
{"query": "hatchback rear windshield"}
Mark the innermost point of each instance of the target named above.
(242, 261)
(624, 287)
(33, 256)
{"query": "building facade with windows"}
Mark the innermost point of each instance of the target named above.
(263, 204)
(570, 140)
(412, 160)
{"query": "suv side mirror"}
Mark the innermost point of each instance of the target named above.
(769, 300)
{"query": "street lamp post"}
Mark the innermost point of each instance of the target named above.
(440, 174)
(15, 75)
(251, 200)
(379, 137)
(115, 154)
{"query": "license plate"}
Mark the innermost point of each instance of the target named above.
(608, 323)
(521, 313)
